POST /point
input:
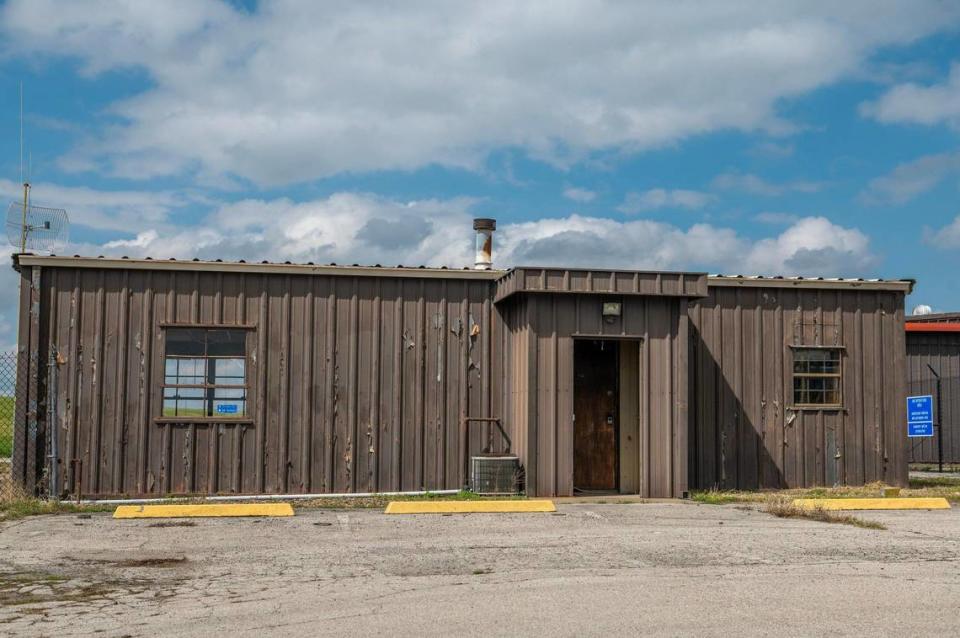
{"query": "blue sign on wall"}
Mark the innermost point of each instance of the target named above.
(226, 408)
(920, 416)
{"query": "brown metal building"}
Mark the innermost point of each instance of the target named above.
(933, 348)
(209, 377)
(798, 382)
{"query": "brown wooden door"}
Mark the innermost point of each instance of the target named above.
(595, 405)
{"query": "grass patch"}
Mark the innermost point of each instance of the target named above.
(784, 508)
(946, 487)
(16, 508)
(934, 467)
(921, 482)
(6, 426)
(725, 497)
(30, 592)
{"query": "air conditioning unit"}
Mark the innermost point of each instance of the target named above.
(495, 474)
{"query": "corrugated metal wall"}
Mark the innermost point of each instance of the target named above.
(361, 382)
(743, 432)
(544, 327)
(942, 351)
(357, 383)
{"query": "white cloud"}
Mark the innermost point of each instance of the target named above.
(946, 237)
(291, 92)
(915, 104)
(102, 209)
(348, 228)
(662, 198)
(755, 185)
(9, 301)
(911, 179)
(343, 228)
(813, 246)
(581, 195)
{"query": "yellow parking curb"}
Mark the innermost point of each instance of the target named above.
(468, 507)
(203, 510)
(873, 503)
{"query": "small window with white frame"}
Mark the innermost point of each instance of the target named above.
(817, 377)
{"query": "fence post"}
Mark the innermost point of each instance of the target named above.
(52, 429)
(939, 424)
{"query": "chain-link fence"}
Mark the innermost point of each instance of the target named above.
(9, 409)
(925, 452)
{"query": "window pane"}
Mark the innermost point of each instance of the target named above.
(186, 342)
(229, 402)
(229, 393)
(183, 393)
(187, 407)
(185, 371)
(816, 378)
(228, 371)
(226, 343)
(175, 404)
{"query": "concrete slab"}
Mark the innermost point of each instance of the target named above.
(674, 569)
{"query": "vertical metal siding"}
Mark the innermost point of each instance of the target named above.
(543, 327)
(942, 351)
(356, 383)
(362, 383)
(744, 430)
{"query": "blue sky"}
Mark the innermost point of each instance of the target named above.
(749, 137)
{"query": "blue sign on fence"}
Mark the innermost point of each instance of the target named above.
(226, 408)
(920, 416)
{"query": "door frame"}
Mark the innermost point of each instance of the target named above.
(629, 468)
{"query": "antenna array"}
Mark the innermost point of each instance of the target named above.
(35, 228)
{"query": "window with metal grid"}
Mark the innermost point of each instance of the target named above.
(205, 373)
(817, 377)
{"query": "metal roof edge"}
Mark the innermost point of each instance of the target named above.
(934, 317)
(54, 261)
(931, 327)
(692, 273)
(895, 285)
(76, 261)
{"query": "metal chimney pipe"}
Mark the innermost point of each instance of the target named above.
(484, 227)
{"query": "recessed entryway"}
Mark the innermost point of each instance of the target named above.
(605, 424)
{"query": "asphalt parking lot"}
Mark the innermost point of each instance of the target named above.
(590, 569)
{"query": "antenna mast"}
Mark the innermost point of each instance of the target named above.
(26, 184)
(32, 227)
